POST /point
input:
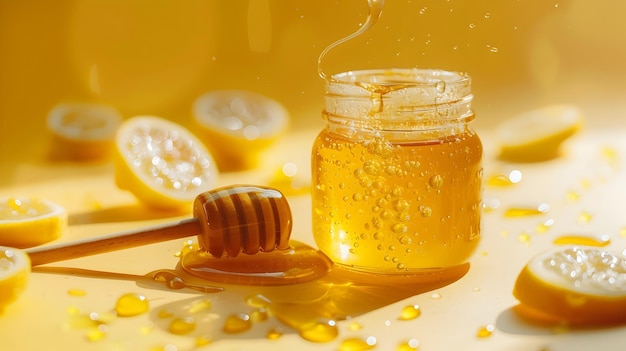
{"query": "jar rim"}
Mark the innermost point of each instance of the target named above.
(405, 77)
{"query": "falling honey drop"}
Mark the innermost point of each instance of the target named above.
(237, 323)
(321, 331)
(182, 326)
(410, 312)
(358, 344)
(131, 304)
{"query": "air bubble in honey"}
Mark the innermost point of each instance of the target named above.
(237, 323)
(131, 304)
(410, 312)
(182, 326)
(358, 344)
(485, 331)
(320, 331)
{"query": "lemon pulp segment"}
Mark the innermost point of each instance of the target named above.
(238, 125)
(27, 222)
(83, 131)
(537, 135)
(579, 285)
(14, 271)
(162, 163)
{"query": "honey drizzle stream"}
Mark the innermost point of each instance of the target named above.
(375, 10)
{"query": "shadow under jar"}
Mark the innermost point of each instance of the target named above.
(397, 171)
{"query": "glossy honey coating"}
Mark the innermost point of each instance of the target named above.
(246, 219)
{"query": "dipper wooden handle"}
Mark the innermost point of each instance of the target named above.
(228, 221)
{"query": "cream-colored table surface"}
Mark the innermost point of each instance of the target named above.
(44, 317)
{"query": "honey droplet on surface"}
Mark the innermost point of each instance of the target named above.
(321, 331)
(409, 345)
(514, 212)
(76, 292)
(585, 217)
(358, 344)
(601, 241)
(354, 326)
(485, 331)
(131, 304)
(203, 340)
(410, 312)
(237, 323)
(182, 326)
(259, 315)
(274, 333)
(97, 333)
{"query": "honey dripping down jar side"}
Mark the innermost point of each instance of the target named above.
(397, 171)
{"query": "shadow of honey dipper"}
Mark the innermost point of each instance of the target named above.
(228, 221)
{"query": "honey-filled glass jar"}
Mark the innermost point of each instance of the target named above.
(396, 173)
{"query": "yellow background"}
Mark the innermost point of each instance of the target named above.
(156, 57)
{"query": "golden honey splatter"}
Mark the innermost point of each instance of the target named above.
(410, 312)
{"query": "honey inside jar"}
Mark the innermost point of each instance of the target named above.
(397, 171)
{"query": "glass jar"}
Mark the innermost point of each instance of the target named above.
(397, 171)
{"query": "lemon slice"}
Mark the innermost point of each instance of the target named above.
(27, 222)
(14, 271)
(537, 135)
(83, 131)
(237, 126)
(576, 285)
(162, 163)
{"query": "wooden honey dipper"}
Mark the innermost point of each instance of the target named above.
(228, 221)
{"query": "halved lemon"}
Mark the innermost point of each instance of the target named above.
(27, 222)
(163, 164)
(83, 131)
(537, 135)
(237, 126)
(577, 285)
(14, 271)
